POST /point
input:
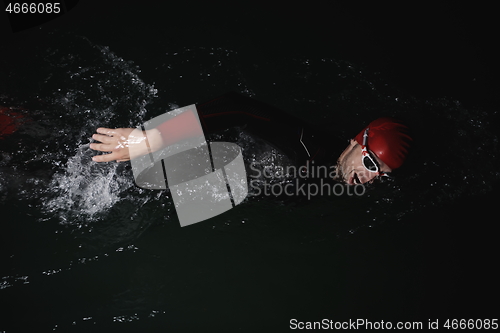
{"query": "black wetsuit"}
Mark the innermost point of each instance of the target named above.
(298, 140)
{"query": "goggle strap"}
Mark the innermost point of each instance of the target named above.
(365, 137)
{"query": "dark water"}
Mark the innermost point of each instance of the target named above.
(84, 249)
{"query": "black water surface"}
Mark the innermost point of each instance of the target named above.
(84, 249)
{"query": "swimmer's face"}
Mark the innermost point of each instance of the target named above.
(351, 167)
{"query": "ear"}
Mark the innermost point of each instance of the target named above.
(353, 142)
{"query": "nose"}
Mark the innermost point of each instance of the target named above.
(366, 176)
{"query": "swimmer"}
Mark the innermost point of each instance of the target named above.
(376, 151)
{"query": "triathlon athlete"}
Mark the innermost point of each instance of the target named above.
(376, 151)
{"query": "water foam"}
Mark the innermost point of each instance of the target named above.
(85, 189)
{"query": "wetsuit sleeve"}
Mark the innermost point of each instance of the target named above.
(181, 127)
(298, 140)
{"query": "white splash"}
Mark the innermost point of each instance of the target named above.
(86, 188)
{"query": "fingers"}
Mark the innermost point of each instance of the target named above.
(107, 131)
(105, 158)
(103, 138)
(108, 138)
(110, 141)
(101, 147)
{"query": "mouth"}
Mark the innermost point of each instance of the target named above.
(354, 179)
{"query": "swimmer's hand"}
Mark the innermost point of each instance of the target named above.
(118, 142)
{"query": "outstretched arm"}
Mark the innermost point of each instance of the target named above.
(118, 142)
(291, 135)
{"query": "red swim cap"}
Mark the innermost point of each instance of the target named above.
(388, 139)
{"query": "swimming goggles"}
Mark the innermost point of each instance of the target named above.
(368, 161)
